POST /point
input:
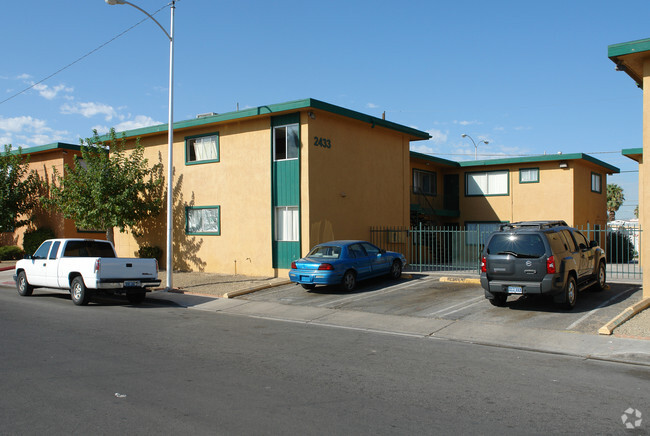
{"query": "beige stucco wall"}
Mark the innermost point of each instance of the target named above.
(362, 180)
(239, 183)
(562, 193)
(644, 194)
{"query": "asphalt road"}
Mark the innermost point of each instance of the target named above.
(426, 296)
(111, 368)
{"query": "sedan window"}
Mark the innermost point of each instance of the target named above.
(325, 252)
(356, 251)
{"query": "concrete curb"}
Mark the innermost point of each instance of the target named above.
(241, 292)
(7, 268)
(460, 280)
(628, 313)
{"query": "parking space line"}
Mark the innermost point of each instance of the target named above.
(472, 302)
(603, 304)
(357, 297)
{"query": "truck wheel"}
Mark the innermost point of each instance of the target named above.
(136, 297)
(79, 292)
(601, 277)
(23, 286)
(570, 293)
(499, 299)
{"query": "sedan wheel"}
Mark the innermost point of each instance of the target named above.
(396, 270)
(349, 281)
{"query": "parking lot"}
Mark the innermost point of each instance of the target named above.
(424, 295)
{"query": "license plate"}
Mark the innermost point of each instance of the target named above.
(133, 284)
(515, 290)
(305, 278)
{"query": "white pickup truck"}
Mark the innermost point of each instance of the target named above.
(85, 266)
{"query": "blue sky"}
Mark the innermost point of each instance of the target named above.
(529, 77)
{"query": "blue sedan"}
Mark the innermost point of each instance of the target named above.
(343, 263)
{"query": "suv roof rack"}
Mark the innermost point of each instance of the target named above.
(532, 225)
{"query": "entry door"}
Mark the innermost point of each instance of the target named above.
(451, 191)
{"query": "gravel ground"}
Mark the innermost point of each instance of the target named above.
(637, 327)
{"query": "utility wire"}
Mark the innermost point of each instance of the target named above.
(81, 58)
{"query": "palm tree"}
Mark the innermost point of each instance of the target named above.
(615, 199)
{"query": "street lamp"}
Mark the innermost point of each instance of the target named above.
(475, 144)
(170, 128)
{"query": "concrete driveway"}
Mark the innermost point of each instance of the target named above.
(425, 296)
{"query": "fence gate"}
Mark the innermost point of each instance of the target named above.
(454, 249)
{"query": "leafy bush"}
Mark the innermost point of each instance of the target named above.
(11, 252)
(34, 238)
(620, 248)
(147, 251)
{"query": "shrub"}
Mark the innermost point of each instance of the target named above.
(620, 248)
(11, 252)
(147, 251)
(34, 238)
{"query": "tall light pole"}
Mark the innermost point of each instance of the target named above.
(475, 144)
(170, 129)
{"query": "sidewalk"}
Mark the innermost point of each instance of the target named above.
(595, 347)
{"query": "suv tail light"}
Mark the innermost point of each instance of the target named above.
(550, 265)
(325, 267)
(483, 264)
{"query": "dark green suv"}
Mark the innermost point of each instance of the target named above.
(540, 257)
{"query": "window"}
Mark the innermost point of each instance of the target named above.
(356, 251)
(371, 249)
(55, 249)
(88, 248)
(287, 223)
(581, 240)
(477, 233)
(203, 220)
(42, 251)
(527, 246)
(486, 183)
(203, 148)
(596, 183)
(424, 182)
(286, 142)
(529, 175)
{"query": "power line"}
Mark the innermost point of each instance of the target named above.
(80, 59)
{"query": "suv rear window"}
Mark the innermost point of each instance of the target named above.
(518, 245)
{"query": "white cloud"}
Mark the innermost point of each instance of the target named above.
(24, 76)
(371, 106)
(136, 123)
(438, 136)
(467, 123)
(89, 109)
(26, 130)
(50, 93)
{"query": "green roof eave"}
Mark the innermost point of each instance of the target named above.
(542, 158)
(48, 147)
(414, 134)
(439, 160)
(628, 57)
(633, 153)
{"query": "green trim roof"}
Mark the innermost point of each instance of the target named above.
(542, 158)
(48, 147)
(275, 109)
(439, 160)
(629, 57)
(633, 153)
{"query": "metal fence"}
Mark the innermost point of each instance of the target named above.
(451, 249)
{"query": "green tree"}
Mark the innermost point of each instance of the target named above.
(615, 199)
(108, 187)
(636, 211)
(18, 190)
